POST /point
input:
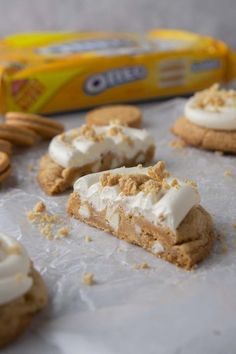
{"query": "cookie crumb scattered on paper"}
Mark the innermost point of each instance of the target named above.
(177, 144)
(228, 173)
(63, 231)
(88, 238)
(49, 225)
(88, 279)
(39, 207)
(143, 265)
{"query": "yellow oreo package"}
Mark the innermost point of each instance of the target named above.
(55, 72)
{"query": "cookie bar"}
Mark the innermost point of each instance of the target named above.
(22, 291)
(92, 149)
(149, 208)
(209, 120)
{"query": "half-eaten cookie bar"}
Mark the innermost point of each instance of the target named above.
(149, 208)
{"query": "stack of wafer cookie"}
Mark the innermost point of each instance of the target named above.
(23, 129)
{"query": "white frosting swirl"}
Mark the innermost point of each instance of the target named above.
(68, 150)
(173, 203)
(14, 270)
(222, 118)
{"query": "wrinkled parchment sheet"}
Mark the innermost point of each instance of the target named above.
(161, 310)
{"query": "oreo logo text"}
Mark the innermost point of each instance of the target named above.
(100, 82)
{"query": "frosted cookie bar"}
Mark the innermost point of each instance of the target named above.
(209, 120)
(88, 149)
(149, 208)
(22, 291)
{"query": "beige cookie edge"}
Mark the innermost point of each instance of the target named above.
(209, 139)
(26, 307)
(94, 117)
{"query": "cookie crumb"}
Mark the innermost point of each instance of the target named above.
(191, 183)
(88, 238)
(46, 231)
(39, 207)
(88, 279)
(143, 265)
(228, 173)
(49, 225)
(158, 171)
(175, 183)
(63, 231)
(177, 144)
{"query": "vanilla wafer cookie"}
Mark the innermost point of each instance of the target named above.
(124, 114)
(5, 167)
(5, 146)
(18, 135)
(45, 127)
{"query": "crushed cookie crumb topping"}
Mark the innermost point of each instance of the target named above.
(175, 183)
(214, 98)
(109, 179)
(158, 172)
(116, 122)
(89, 133)
(132, 184)
(113, 131)
(191, 183)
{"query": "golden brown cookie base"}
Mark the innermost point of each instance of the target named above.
(217, 140)
(55, 179)
(16, 316)
(191, 243)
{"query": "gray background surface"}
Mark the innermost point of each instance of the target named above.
(211, 17)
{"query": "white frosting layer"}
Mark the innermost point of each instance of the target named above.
(224, 118)
(173, 204)
(72, 151)
(14, 269)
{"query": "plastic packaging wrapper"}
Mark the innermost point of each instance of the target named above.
(162, 309)
(55, 71)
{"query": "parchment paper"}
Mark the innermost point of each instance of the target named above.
(161, 310)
